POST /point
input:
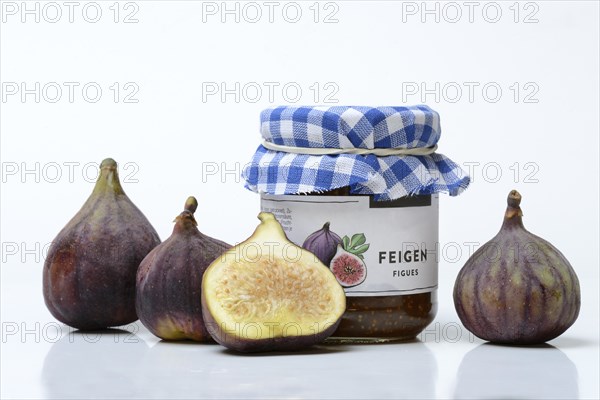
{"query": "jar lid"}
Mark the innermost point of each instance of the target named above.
(355, 138)
(351, 127)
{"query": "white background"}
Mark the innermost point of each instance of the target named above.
(178, 140)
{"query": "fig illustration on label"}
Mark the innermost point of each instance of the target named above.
(344, 256)
(323, 244)
(348, 264)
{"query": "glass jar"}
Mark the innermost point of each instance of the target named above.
(359, 187)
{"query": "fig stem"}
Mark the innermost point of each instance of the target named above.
(191, 204)
(514, 199)
(108, 163)
(108, 178)
(513, 215)
(326, 225)
(185, 221)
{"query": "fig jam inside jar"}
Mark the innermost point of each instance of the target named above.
(386, 318)
(359, 187)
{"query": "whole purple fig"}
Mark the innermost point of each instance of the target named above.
(323, 244)
(169, 280)
(89, 272)
(517, 288)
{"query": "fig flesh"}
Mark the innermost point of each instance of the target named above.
(266, 294)
(349, 269)
(169, 280)
(517, 288)
(89, 272)
(323, 244)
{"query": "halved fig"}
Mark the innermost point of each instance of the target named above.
(268, 294)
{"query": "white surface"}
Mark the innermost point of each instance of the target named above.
(171, 140)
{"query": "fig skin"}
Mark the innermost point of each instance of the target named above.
(266, 247)
(517, 288)
(89, 272)
(288, 343)
(169, 280)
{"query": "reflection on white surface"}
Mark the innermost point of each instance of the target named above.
(112, 367)
(505, 372)
(93, 364)
(391, 371)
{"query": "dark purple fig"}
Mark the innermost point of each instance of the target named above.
(517, 288)
(323, 244)
(89, 273)
(267, 294)
(349, 269)
(169, 280)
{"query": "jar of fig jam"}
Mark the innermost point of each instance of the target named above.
(359, 188)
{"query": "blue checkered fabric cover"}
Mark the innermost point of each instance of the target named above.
(386, 178)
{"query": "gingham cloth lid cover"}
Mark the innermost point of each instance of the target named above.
(387, 178)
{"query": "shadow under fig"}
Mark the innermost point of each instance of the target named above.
(313, 350)
(97, 364)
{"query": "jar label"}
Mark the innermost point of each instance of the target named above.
(385, 248)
